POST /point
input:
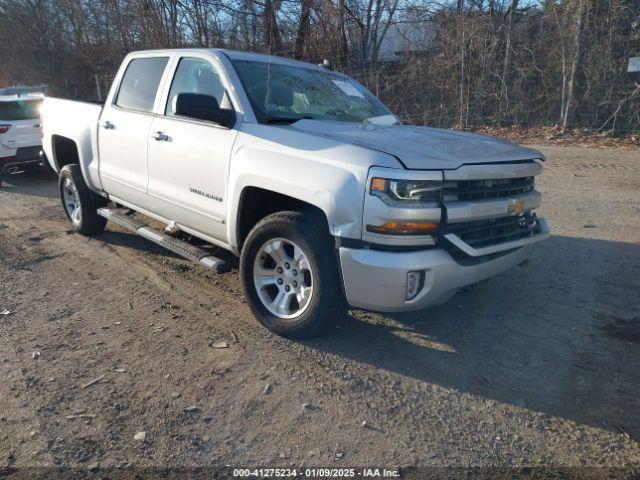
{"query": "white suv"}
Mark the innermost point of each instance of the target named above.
(20, 139)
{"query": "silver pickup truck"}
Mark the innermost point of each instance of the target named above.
(301, 172)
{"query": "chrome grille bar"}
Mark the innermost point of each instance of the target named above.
(486, 189)
(489, 207)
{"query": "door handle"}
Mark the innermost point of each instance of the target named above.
(159, 136)
(108, 125)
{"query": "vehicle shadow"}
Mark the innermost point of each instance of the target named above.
(560, 336)
(133, 241)
(42, 182)
(38, 181)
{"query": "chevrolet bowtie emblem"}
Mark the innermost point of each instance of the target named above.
(516, 206)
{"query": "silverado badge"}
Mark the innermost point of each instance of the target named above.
(197, 191)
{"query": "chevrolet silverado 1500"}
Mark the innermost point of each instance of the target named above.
(301, 172)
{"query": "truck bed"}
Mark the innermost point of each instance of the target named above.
(75, 120)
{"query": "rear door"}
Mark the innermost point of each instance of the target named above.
(189, 158)
(123, 130)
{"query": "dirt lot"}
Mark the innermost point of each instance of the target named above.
(540, 366)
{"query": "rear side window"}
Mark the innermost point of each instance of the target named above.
(140, 83)
(20, 110)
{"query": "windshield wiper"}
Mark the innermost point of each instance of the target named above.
(270, 119)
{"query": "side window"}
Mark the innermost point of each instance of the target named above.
(194, 76)
(140, 83)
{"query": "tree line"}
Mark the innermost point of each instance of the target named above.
(436, 62)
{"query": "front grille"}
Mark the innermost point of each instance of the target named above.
(484, 233)
(462, 190)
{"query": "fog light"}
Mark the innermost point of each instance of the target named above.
(415, 281)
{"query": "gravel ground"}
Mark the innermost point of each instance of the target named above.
(111, 336)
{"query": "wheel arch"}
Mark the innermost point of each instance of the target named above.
(255, 203)
(331, 189)
(65, 151)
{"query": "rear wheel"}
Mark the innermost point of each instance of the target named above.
(290, 275)
(79, 203)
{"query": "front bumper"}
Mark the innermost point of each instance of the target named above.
(486, 227)
(377, 280)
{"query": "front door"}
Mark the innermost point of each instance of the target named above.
(188, 158)
(123, 131)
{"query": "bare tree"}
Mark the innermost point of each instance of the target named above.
(372, 19)
(466, 62)
(304, 27)
(571, 74)
(270, 25)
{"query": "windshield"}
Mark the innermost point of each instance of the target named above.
(282, 93)
(20, 109)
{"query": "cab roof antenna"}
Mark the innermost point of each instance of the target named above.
(325, 64)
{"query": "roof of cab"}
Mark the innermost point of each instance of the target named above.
(237, 55)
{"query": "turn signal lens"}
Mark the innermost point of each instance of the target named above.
(378, 184)
(404, 228)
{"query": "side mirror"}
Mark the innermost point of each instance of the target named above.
(202, 107)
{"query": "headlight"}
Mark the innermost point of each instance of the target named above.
(407, 193)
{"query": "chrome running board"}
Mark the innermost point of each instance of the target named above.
(175, 245)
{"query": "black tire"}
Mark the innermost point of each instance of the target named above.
(88, 222)
(327, 303)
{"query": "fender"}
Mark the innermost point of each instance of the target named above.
(327, 174)
(81, 126)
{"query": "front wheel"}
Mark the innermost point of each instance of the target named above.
(290, 274)
(80, 203)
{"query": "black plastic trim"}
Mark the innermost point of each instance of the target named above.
(362, 245)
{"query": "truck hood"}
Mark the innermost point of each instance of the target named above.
(421, 148)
